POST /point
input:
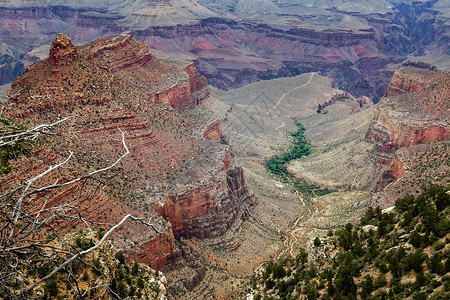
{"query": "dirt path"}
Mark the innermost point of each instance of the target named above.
(281, 126)
(291, 90)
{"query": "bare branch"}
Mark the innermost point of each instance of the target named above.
(93, 288)
(56, 185)
(22, 230)
(29, 134)
(29, 183)
(68, 261)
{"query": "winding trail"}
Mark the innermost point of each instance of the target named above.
(281, 126)
(288, 242)
(291, 90)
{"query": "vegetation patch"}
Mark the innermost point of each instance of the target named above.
(277, 164)
(399, 254)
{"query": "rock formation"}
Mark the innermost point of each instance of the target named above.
(414, 112)
(62, 50)
(213, 131)
(172, 169)
(411, 79)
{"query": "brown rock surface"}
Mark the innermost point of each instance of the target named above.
(417, 113)
(171, 168)
(213, 131)
(408, 80)
(62, 50)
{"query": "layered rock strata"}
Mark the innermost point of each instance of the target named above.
(414, 112)
(234, 47)
(116, 84)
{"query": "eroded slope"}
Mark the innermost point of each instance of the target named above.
(185, 183)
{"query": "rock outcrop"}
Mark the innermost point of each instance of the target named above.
(411, 79)
(62, 50)
(213, 131)
(414, 112)
(363, 102)
(209, 209)
(116, 84)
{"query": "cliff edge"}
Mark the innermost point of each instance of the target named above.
(184, 181)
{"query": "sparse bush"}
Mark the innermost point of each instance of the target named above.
(317, 241)
(97, 267)
(120, 257)
(51, 286)
(135, 268)
(85, 276)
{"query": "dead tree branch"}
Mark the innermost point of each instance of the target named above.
(22, 231)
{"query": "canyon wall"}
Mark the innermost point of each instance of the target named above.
(210, 209)
(414, 112)
(178, 179)
(233, 49)
(407, 81)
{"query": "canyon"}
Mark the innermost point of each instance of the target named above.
(109, 86)
(198, 168)
(368, 155)
(385, 145)
(233, 44)
(369, 81)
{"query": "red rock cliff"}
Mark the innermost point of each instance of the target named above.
(107, 87)
(209, 209)
(408, 80)
(417, 112)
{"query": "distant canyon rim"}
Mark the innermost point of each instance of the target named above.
(196, 166)
(234, 43)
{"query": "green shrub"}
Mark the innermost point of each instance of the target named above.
(120, 257)
(140, 283)
(155, 287)
(122, 289)
(317, 241)
(135, 268)
(85, 276)
(44, 269)
(51, 286)
(380, 281)
(97, 267)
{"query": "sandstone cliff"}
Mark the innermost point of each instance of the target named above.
(415, 111)
(410, 79)
(172, 169)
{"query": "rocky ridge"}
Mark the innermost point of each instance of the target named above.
(414, 112)
(236, 43)
(110, 85)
